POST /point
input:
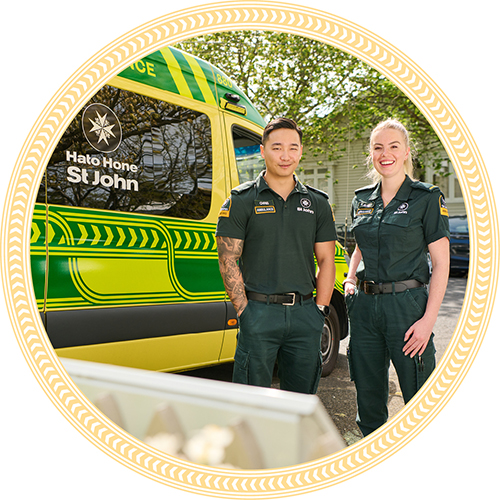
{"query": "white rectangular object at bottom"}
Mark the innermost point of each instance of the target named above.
(270, 428)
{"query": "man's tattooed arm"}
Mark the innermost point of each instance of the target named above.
(229, 250)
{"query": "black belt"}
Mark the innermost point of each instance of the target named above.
(372, 288)
(286, 299)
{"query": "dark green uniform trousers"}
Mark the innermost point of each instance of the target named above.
(290, 334)
(378, 324)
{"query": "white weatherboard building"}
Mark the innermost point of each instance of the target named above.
(341, 177)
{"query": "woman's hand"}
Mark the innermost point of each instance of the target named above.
(417, 337)
(419, 333)
(349, 288)
(350, 281)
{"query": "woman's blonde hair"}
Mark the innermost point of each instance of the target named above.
(395, 125)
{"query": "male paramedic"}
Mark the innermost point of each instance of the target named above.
(269, 232)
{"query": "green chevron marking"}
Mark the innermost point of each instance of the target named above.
(122, 236)
(97, 235)
(144, 238)
(198, 241)
(84, 234)
(179, 240)
(134, 237)
(109, 239)
(155, 239)
(51, 233)
(36, 233)
(207, 241)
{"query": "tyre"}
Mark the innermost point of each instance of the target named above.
(330, 339)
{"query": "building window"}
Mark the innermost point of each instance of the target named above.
(457, 191)
(319, 177)
(442, 180)
(448, 183)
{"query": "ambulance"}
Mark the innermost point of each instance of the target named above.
(123, 251)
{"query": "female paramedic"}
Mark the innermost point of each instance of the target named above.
(392, 310)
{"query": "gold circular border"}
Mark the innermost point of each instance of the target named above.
(478, 301)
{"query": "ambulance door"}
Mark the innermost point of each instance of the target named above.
(133, 274)
(245, 163)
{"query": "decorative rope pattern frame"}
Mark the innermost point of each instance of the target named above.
(472, 323)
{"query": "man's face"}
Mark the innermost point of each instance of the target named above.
(282, 152)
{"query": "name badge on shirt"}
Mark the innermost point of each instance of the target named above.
(365, 208)
(264, 207)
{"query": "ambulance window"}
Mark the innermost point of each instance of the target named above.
(133, 153)
(247, 151)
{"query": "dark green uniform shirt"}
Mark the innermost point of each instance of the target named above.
(279, 235)
(393, 240)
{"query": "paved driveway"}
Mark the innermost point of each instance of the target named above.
(337, 391)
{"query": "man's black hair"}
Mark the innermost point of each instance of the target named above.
(281, 123)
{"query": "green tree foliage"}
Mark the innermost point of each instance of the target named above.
(334, 96)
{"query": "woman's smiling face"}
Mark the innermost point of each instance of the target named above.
(389, 152)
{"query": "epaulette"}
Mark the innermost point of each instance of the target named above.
(371, 187)
(243, 187)
(424, 185)
(316, 190)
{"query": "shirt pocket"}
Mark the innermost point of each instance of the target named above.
(362, 228)
(395, 227)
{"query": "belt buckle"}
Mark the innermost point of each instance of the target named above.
(367, 285)
(293, 294)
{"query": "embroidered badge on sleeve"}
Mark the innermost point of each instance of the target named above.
(225, 209)
(442, 205)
